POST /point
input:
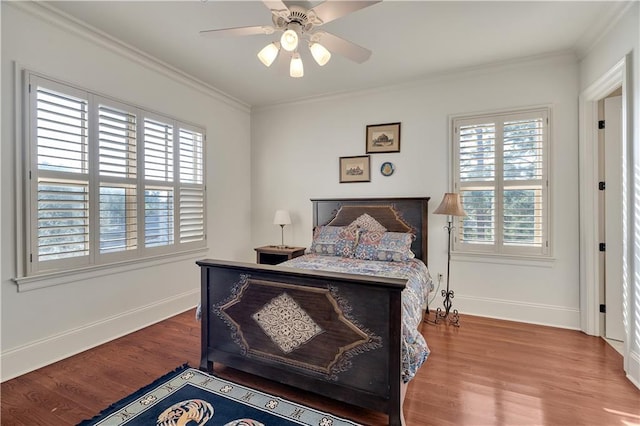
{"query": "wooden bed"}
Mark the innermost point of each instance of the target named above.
(357, 356)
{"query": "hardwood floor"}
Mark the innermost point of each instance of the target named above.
(487, 372)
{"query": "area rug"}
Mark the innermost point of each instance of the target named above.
(191, 397)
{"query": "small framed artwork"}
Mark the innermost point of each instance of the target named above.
(355, 169)
(383, 138)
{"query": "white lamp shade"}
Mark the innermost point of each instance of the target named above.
(289, 40)
(282, 218)
(269, 53)
(296, 69)
(320, 53)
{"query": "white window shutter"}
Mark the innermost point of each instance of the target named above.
(63, 219)
(61, 126)
(107, 182)
(60, 179)
(159, 193)
(523, 181)
(477, 174)
(500, 172)
(158, 150)
(192, 193)
(117, 170)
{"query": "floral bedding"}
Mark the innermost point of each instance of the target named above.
(414, 296)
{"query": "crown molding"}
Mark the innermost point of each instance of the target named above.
(565, 56)
(601, 27)
(54, 16)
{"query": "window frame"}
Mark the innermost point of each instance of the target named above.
(498, 247)
(30, 266)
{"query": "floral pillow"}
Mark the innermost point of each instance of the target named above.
(385, 246)
(333, 241)
(367, 223)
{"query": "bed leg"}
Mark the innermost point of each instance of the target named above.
(403, 393)
(396, 418)
(206, 366)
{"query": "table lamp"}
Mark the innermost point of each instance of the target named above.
(282, 218)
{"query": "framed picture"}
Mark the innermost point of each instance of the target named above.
(383, 138)
(355, 169)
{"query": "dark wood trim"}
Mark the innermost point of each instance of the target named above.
(371, 379)
(412, 210)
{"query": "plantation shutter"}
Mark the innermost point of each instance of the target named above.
(158, 176)
(500, 173)
(106, 182)
(524, 181)
(192, 191)
(117, 169)
(477, 176)
(59, 175)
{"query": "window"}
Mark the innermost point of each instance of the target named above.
(107, 181)
(500, 171)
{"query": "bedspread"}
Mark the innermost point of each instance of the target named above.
(414, 297)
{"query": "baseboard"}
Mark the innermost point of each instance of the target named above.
(633, 368)
(533, 313)
(29, 357)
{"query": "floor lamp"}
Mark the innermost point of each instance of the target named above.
(450, 206)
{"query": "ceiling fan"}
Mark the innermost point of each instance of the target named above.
(297, 21)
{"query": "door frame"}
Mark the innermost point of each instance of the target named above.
(618, 76)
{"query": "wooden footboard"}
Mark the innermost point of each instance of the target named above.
(338, 335)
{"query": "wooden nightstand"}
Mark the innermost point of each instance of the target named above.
(272, 255)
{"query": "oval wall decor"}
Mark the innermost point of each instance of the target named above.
(387, 168)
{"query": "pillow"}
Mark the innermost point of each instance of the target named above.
(333, 241)
(385, 246)
(367, 223)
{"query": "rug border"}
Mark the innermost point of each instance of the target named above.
(135, 395)
(130, 399)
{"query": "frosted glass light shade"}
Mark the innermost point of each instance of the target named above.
(289, 40)
(296, 68)
(320, 53)
(269, 53)
(282, 218)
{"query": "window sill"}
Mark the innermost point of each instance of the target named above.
(51, 279)
(504, 259)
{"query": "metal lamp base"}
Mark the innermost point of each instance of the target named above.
(447, 314)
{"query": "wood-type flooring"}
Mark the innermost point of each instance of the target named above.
(487, 372)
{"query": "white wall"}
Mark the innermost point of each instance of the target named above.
(43, 325)
(622, 39)
(294, 157)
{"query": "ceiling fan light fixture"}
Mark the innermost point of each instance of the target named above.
(319, 53)
(289, 40)
(296, 69)
(269, 53)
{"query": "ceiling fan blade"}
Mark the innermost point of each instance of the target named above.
(275, 5)
(334, 9)
(239, 31)
(341, 46)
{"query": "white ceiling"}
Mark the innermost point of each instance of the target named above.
(410, 40)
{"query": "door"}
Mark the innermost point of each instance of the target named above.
(614, 328)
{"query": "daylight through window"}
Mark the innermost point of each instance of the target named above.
(107, 181)
(500, 165)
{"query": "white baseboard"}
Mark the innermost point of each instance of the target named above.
(555, 316)
(37, 354)
(633, 368)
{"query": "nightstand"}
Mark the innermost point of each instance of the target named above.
(272, 255)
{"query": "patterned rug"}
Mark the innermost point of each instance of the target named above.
(188, 396)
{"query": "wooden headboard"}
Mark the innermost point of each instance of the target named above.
(395, 214)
